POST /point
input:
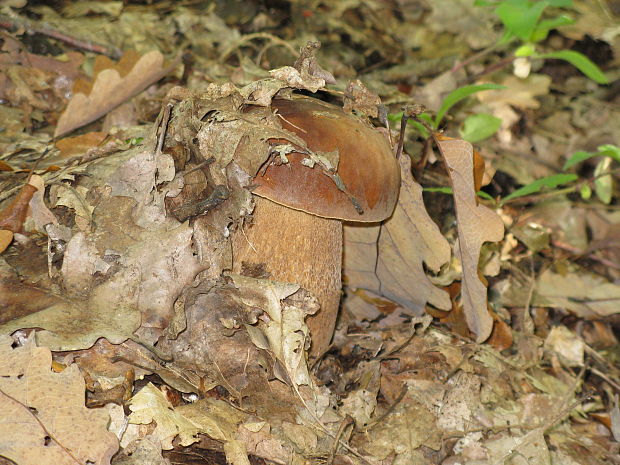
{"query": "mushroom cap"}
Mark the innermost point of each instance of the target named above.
(366, 165)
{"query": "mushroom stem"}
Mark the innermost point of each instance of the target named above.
(297, 247)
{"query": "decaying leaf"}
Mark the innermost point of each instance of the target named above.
(212, 417)
(109, 90)
(476, 224)
(150, 404)
(585, 294)
(12, 217)
(6, 237)
(42, 411)
(285, 334)
(389, 259)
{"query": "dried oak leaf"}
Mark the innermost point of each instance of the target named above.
(284, 333)
(109, 90)
(389, 259)
(476, 224)
(6, 237)
(43, 419)
(12, 217)
(213, 417)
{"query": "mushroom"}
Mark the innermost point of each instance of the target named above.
(296, 232)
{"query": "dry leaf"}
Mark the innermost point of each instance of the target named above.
(43, 419)
(520, 93)
(6, 237)
(110, 90)
(285, 334)
(14, 215)
(78, 145)
(476, 224)
(150, 404)
(41, 215)
(213, 417)
(406, 241)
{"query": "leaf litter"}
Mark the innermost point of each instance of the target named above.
(120, 261)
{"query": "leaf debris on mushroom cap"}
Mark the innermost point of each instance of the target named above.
(366, 165)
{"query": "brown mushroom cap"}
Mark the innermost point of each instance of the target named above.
(366, 165)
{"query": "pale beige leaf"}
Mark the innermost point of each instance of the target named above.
(567, 345)
(520, 93)
(476, 224)
(236, 453)
(389, 259)
(285, 332)
(213, 417)
(585, 294)
(36, 403)
(6, 237)
(150, 405)
(109, 91)
(40, 213)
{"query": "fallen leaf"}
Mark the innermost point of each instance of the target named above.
(78, 145)
(14, 214)
(212, 417)
(109, 90)
(567, 345)
(285, 334)
(41, 411)
(41, 215)
(6, 237)
(519, 93)
(476, 224)
(389, 259)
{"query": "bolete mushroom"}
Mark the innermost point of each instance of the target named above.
(296, 232)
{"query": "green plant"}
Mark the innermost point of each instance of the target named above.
(602, 179)
(451, 99)
(523, 21)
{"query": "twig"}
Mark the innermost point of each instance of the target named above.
(31, 27)
(323, 428)
(491, 69)
(345, 423)
(258, 35)
(475, 57)
(575, 251)
(400, 397)
(524, 440)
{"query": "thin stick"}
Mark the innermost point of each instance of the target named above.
(33, 28)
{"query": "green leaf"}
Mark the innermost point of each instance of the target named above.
(581, 62)
(561, 3)
(459, 94)
(578, 157)
(548, 182)
(609, 150)
(484, 195)
(520, 16)
(441, 190)
(603, 183)
(449, 191)
(542, 29)
(420, 128)
(480, 126)
(526, 50)
(585, 191)
(395, 116)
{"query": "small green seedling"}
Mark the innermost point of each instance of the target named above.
(523, 21)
